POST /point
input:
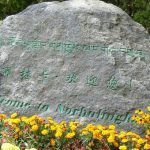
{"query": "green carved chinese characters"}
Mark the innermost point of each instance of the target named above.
(112, 83)
(25, 74)
(92, 80)
(44, 75)
(72, 78)
(7, 71)
(70, 47)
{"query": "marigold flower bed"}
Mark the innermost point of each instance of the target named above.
(35, 133)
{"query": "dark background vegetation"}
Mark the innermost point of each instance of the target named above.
(139, 10)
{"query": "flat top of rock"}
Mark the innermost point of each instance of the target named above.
(87, 4)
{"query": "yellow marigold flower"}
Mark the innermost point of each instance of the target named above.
(49, 118)
(6, 120)
(24, 118)
(51, 121)
(91, 144)
(76, 122)
(27, 121)
(147, 146)
(141, 141)
(148, 132)
(63, 123)
(100, 127)
(70, 135)
(112, 127)
(53, 128)
(111, 139)
(58, 133)
(14, 115)
(136, 149)
(141, 121)
(47, 125)
(16, 136)
(2, 116)
(71, 123)
(40, 119)
(137, 136)
(134, 117)
(112, 131)
(73, 127)
(8, 146)
(91, 129)
(147, 116)
(44, 132)
(52, 142)
(16, 121)
(147, 136)
(139, 111)
(85, 132)
(14, 125)
(20, 133)
(33, 122)
(135, 139)
(124, 140)
(123, 147)
(105, 132)
(148, 108)
(116, 144)
(138, 145)
(34, 117)
(122, 134)
(130, 134)
(17, 129)
(34, 128)
(97, 135)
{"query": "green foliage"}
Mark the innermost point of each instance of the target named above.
(142, 15)
(139, 10)
(9, 7)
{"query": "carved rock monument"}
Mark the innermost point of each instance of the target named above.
(78, 59)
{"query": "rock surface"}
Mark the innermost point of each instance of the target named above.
(78, 59)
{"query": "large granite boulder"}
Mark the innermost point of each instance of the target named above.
(78, 59)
